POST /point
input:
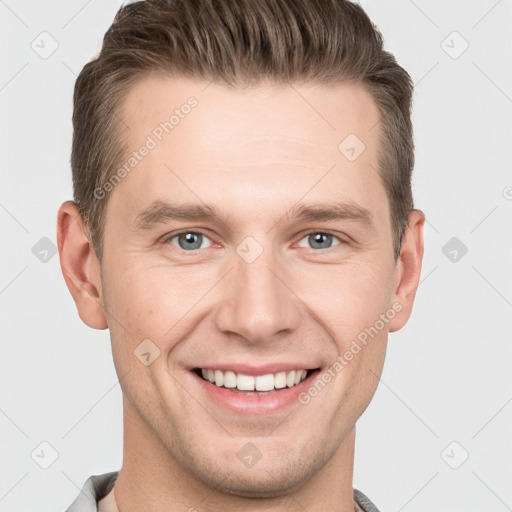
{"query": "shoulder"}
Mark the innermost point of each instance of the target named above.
(95, 487)
(365, 504)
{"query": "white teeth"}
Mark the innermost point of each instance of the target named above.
(264, 382)
(267, 382)
(280, 380)
(245, 382)
(230, 379)
(219, 378)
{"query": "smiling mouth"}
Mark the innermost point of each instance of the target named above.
(254, 385)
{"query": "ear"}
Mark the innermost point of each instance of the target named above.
(408, 269)
(80, 266)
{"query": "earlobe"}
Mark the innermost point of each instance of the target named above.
(408, 269)
(80, 266)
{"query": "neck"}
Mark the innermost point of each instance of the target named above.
(151, 479)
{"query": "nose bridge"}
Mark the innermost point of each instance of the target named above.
(258, 304)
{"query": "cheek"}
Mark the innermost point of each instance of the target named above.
(350, 298)
(359, 313)
(153, 302)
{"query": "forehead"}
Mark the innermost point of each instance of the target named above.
(267, 142)
(316, 113)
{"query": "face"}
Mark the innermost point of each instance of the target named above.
(245, 244)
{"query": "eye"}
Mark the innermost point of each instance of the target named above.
(320, 239)
(188, 240)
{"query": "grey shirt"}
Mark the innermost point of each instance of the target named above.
(98, 486)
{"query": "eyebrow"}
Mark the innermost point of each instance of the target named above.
(160, 212)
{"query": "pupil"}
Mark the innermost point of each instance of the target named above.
(192, 239)
(321, 238)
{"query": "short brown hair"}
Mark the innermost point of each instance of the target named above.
(238, 42)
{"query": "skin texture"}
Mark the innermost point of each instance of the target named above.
(254, 154)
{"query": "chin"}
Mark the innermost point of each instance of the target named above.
(271, 478)
(263, 484)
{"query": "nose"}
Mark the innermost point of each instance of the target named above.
(258, 302)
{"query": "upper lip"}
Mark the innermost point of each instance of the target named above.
(248, 369)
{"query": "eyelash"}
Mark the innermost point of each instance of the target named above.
(167, 239)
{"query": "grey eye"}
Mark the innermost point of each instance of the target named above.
(319, 240)
(189, 240)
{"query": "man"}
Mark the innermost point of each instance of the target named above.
(243, 225)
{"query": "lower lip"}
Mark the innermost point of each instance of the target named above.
(254, 404)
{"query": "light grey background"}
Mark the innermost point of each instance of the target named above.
(447, 374)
